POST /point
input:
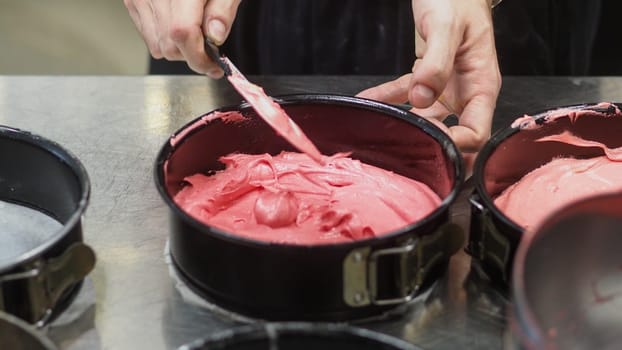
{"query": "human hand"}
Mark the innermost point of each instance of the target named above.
(456, 71)
(174, 29)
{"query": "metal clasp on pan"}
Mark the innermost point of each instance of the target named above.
(408, 288)
(488, 244)
(415, 259)
(47, 280)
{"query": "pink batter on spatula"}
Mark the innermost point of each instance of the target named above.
(272, 113)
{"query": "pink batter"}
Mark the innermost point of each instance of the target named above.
(290, 198)
(561, 182)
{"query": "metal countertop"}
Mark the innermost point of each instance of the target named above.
(116, 125)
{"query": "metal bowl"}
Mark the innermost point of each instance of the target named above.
(355, 279)
(567, 279)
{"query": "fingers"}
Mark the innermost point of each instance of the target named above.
(218, 19)
(187, 35)
(457, 68)
(162, 13)
(475, 124)
(432, 71)
(142, 15)
(217, 23)
(475, 119)
(419, 45)
(436, 111)
(395, 91)
(175, 29)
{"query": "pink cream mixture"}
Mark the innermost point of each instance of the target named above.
(561, 182)
(290, 198)
(299, 198)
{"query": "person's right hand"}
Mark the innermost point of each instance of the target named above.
(175, 29)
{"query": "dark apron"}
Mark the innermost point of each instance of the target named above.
(352, 37)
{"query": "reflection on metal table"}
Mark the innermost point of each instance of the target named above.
(116, 125)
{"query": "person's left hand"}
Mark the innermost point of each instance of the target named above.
(456, 71)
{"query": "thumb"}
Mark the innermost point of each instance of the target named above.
(219, 17)
(433, 70)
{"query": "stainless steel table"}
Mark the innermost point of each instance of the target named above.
(116, 125)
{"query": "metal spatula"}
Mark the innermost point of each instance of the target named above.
(265, 106)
